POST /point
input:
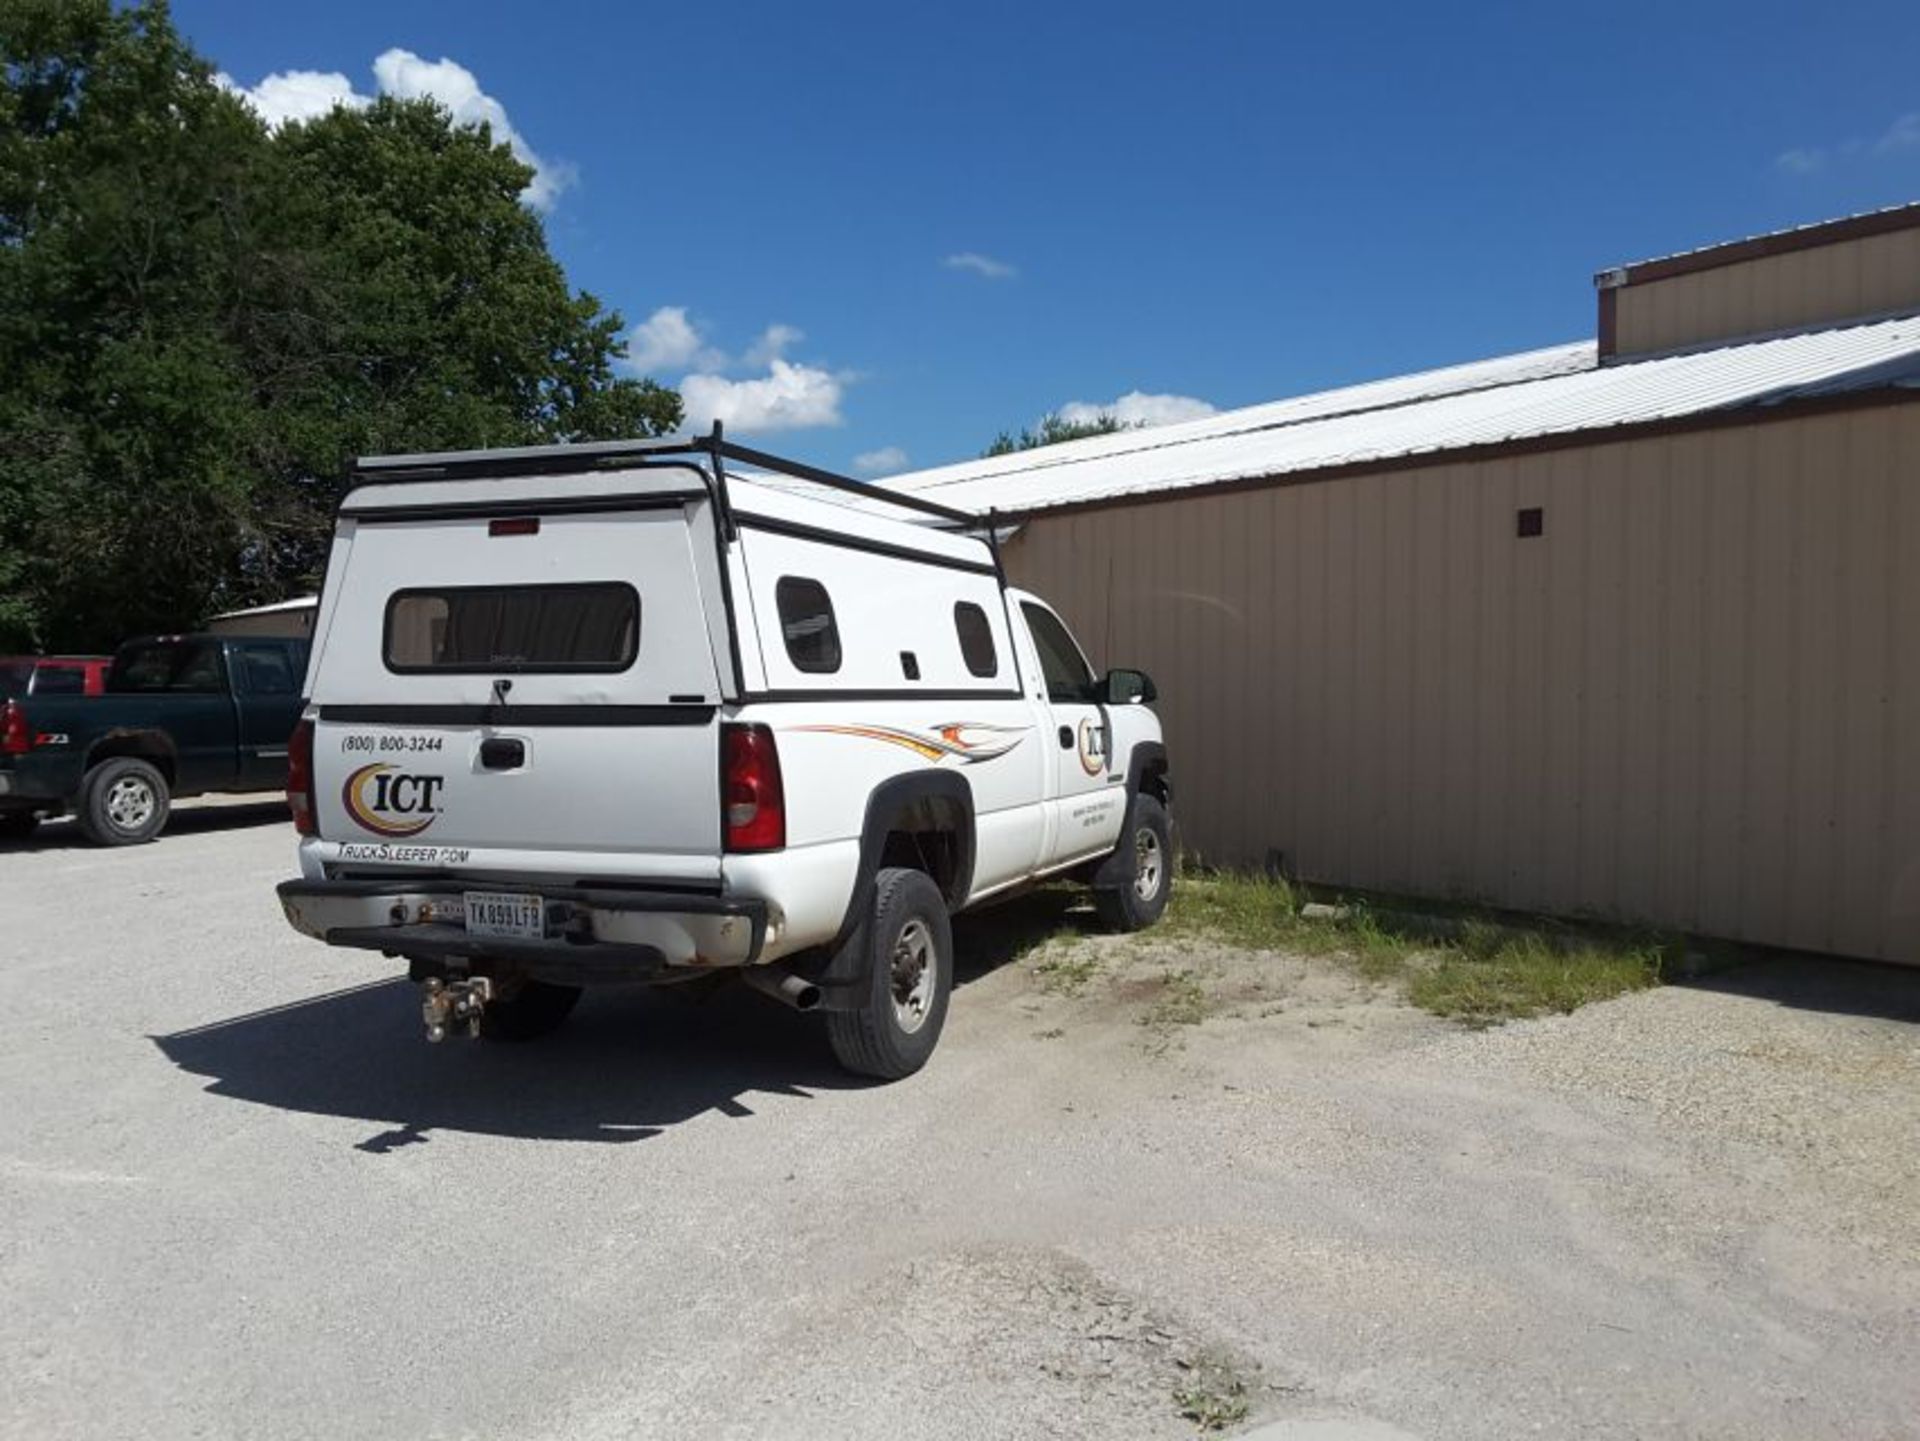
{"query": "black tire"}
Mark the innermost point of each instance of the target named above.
(1148, 838)
(529, 1012)
(17, 825)
(875, 1038)
(123, 802)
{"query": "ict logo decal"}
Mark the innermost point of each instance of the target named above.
(390, 803)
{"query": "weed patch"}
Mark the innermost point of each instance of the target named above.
(1213, 1396)
(1468, 968)
(1183, 1002)
(1527, 977)
(1067, 975)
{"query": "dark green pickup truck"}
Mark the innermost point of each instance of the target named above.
(182, 715)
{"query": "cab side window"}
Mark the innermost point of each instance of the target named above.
(807, 625)
(200, 671)
(1069, 677)
(266, 670)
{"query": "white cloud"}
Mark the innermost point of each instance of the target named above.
(1137, 408)
(887, 460)
(787, 397)
(667, 340)
(296, 95)
(984, 266)
(293, 95)
(773, 344)
(1901, 136)
(407, 76)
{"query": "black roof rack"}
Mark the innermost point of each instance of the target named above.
(614, 454)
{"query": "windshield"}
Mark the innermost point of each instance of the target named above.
(168, 665)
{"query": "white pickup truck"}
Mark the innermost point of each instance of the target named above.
(608, 713)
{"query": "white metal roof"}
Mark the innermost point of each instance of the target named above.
(278, 607)
(1557, 391)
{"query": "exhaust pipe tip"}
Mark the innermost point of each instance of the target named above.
(784, 987)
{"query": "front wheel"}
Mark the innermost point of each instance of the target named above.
(1138, 903)
(905, 955)
(123, 802)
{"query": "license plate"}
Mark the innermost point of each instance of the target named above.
(506, 914)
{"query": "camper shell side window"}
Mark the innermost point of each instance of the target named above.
(807, 625)
(975, 631)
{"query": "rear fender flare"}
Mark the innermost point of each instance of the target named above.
(889, 802)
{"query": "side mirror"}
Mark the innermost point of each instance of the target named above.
(1128, 687)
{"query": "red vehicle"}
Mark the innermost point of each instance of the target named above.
(23, 675)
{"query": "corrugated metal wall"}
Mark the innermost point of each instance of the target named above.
(1875, 275)
(1694, 701)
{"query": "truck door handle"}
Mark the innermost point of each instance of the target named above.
(1066, 738)
(502, 753)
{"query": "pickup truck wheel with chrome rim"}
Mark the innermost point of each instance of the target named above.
(908, 974)
(1140, 901)
(123, 802)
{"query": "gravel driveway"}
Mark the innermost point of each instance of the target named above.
(242, 1197)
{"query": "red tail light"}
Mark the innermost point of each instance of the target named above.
(16, 736)
(753, 801)
(300, 779)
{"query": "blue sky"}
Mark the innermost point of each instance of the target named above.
(1219, 203)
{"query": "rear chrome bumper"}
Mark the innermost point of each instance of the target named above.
(599, 931)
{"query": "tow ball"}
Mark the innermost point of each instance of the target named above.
(454, 1003)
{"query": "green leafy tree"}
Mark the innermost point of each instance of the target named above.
(200, 320)
(1051, 430)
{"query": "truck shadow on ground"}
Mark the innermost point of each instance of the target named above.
(197, 820)
(629, 1064)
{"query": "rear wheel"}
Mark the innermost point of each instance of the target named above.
(531, 1010)
(905, 954)
(1138, 904)
(123, 802)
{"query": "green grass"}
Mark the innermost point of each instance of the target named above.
(1500, 980)
(1484, 972)
(1214, 1394)
(1182, 1002)
(1067, 975)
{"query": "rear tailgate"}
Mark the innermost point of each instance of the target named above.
(523, 692)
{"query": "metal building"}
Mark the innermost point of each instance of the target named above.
(1627, 629)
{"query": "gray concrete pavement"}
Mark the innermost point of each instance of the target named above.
(241, 1198)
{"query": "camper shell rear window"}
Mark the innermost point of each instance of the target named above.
(588, 627)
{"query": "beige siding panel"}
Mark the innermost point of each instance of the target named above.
(1865, 681)
(1766, 880)
(1814, 769)
(1726, 552)
(1877, 275)
(1693, 703)
(1420, 859)
(1900, 871)
(1640, 471)
(1462, 644)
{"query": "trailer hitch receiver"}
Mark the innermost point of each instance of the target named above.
(446, 1004)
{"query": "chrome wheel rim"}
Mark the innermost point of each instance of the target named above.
(912, 971)
(1149, 865)
(130, 803)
